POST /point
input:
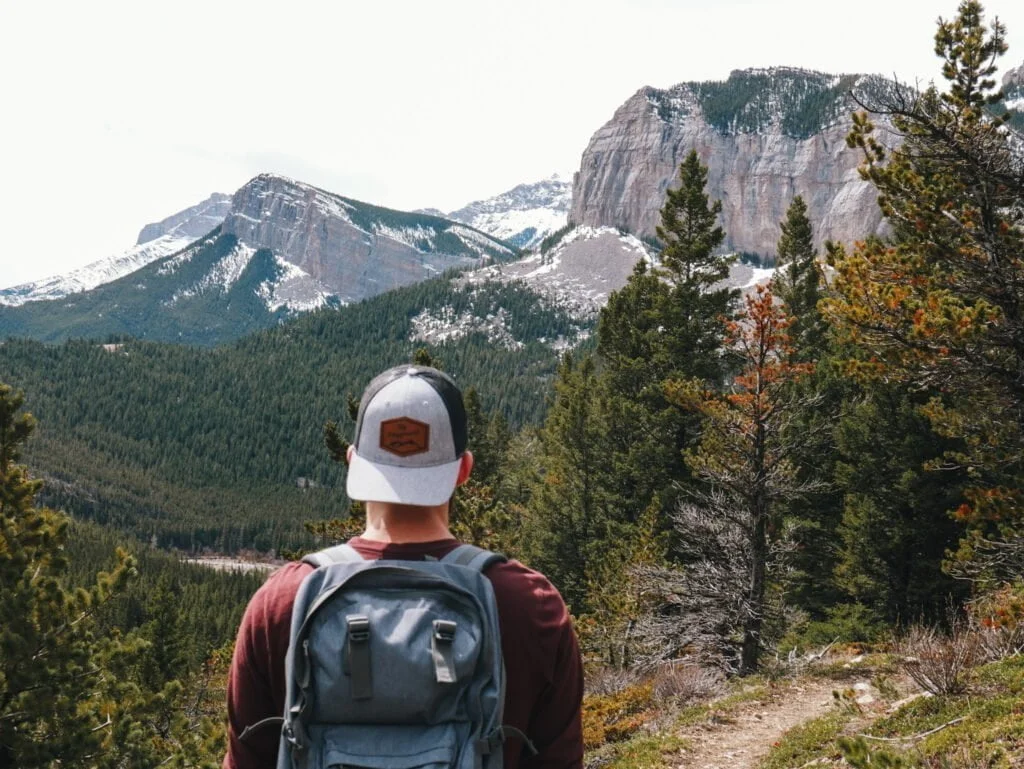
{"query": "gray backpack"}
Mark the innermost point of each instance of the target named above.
(394, 665)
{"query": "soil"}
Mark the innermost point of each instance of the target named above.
(744, 737)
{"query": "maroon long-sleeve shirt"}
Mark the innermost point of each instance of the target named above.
(542, 662)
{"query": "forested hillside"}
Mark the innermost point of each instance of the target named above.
(223, 448)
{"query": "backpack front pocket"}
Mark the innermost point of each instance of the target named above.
(376, 746)
(392, 656)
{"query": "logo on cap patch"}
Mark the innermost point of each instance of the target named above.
(404, 436)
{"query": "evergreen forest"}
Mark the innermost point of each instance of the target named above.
(711, 478)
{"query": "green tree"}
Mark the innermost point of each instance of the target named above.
(70, 694)
(813, 517)
(666, 323)
(797, 281)
(895, 528)
(57, 698)
(574, 513)
(938, 306)
(730, 535)
(690, 233)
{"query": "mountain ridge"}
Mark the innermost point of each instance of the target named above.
(766, 135)
(284, 248)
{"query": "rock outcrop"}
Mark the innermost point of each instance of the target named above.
(354, 249)
(1014, 79)
(765, 135)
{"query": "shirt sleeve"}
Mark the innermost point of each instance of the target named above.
(544, 672)
(556, 722)
(256, 687)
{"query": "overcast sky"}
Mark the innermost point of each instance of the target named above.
(113, 115)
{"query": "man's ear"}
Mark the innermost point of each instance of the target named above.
(348, 454)
(465, 467)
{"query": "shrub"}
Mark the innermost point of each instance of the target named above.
(845, 623)
(998, 620)
(683, 683)
(614, 717)
(936, 661)
(610, 680)
(860, 755)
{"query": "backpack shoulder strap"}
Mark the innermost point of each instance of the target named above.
(473, 557)
(343, 553)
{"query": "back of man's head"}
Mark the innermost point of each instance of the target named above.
(409, 439)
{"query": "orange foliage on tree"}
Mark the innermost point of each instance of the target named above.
(746, 450)
(939, 305)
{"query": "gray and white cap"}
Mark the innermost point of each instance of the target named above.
(410, 437)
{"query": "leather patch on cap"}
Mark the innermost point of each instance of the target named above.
(404, 436)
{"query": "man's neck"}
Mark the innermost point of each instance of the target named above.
(400, 524)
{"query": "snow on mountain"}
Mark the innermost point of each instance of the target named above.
(155, 241)
(221, 277)
(524, 215)
(579, 272)
(437, 327)
(95, 274)
(294, 290)
(291, 288)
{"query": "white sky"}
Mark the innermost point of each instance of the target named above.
(113, 115)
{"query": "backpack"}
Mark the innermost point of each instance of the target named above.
(394, 665)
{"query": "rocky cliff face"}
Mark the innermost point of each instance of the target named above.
(1013, 80)
(354, 249)
(765, 135)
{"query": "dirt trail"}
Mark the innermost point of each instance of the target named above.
(741, 739)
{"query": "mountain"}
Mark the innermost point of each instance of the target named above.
(576, 272)
(283, 248)
(766, 135)
(155, 241)
(1013, 96)
(192, 223)
(524, 215)
(355, 249)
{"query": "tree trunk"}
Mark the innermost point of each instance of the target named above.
(751, 649)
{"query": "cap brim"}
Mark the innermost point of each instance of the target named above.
(425, 486)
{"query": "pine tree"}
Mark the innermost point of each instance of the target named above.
(814, 517)
(730, 533)
(56, 692)
(690, 232)
(895, 530)
(666, 323)
(939, 305)
(70, 693)
(797, 281)
(574, 515)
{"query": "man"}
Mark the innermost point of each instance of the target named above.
(408, 457)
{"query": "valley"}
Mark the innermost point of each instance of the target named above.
(730, 406)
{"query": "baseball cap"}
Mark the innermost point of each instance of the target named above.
(409, 440)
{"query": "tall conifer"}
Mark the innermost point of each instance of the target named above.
(797, 281)
(939, 306)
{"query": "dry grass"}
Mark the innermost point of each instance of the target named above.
(684, 683)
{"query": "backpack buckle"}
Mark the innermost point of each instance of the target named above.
(358, 628)
(444, 630)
